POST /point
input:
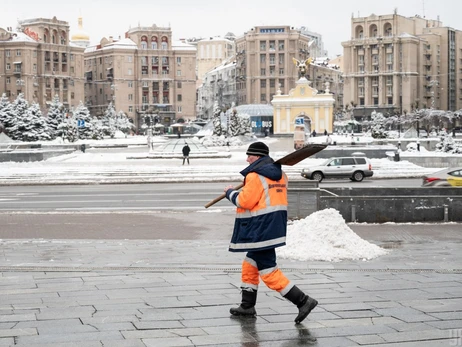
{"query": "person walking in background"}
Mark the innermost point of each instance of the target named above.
(260, 227)
(186, 151)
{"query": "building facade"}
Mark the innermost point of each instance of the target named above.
(211, 53)
(396, 64)
(264, 62)
(39, 61)
(145, 74)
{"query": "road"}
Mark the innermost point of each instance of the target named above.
(125, 211)
(138, 197)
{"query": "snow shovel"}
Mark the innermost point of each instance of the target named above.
(290, 159)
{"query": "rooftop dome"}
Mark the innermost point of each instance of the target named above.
(80, 34)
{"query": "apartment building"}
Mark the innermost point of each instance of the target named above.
(264, 62)
(145, 74)
(395, 64)
(211, 53)
(39, 61)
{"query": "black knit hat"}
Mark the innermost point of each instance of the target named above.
(258, 148)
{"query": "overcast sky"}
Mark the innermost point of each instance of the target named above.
(205, 18)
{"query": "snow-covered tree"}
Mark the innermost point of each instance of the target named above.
(378, 122)
(4, 102)
(245, 126)
(67, 129)
(218, 128)
(55, 116)
(123, 123)
(234, 124)
(108, 121)
(87, 131)
(31, 126)
(12, 112)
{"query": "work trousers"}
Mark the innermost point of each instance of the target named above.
(263, 264)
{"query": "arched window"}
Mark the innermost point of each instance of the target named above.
(153, 42)
(373, 31)
(164, 44)
(387, 30)
(144, 42)
(359, 32)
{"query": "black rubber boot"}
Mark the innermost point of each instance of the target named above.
(304, 303)
(247, 306)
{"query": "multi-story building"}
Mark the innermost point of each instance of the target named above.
(396, 64)
(211, 53)
(40, 62)
(219, 86)
(264, 62)
(145, 74)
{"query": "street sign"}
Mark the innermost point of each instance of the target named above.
(299, 121)
(80, 123)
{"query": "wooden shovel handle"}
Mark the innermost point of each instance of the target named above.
(222, 196)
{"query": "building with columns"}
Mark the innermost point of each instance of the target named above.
(39, 61)
(145, 74)
(396, 64)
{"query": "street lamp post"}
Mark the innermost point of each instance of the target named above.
(418, 130)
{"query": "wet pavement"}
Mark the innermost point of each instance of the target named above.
(178, 293)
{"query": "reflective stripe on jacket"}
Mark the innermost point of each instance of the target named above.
(261, 214)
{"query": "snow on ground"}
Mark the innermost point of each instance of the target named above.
(324, 236)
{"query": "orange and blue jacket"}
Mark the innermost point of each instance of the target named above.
(261, 214)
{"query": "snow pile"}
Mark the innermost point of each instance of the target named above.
(325, 236)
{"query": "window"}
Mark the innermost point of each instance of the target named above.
(130, 109)
(8, 80)
(272, 83)
(262, 45)
(272, 45)
(130, 59)
(262, 83)
(180, 109)
(18, 52)
(153, 45)
(72, 95)
(130, 72)
(130, 84)
(34, 67)
(272, 59)
(390, 100)
(281, 83)
(263, 72)
(100, 91)
(130, 97)
(72, 70)
(178, 60)
(164, 45)
(262, 58)
(178, 85)
(281, 71)
(178, 73)
(281, 45)
(179, 97)
(144, 45)
(8, 53)
(263, 97)
(8, 66)
(376, 101)
(71, 57)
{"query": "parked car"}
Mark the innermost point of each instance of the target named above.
(451, 177)
(354, 168)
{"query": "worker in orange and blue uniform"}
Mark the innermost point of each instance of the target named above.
(260, 227)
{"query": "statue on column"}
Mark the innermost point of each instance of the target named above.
(302, 66)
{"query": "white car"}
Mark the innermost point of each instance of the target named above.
(354, 168)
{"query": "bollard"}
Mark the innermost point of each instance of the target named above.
(446, 217)
(353, 213)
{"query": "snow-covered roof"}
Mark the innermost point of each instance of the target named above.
(404, 35)
(182, 46)
(19, 36)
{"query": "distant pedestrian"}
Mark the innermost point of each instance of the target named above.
(313, 133)
(186, 151)
(178, 133)
(325, 132)
(418, 146)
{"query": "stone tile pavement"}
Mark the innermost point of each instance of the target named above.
(156, 293)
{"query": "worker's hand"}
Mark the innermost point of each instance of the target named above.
(228, 188)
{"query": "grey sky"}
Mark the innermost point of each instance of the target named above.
(201, 18)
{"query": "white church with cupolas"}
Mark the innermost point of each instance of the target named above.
(303, 101)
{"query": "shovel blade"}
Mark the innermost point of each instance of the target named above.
(301, 154)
